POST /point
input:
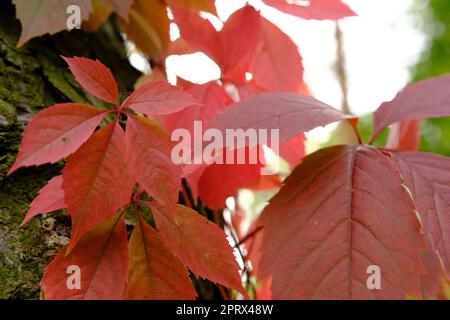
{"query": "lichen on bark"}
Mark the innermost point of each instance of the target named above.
(31, 78)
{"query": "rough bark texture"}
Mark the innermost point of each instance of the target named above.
(32, 78)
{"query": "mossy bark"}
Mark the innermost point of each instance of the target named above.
(32, 78)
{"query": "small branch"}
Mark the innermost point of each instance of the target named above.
(340, 69)
(249, 236)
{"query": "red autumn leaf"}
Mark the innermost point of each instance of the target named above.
(293, 149)
(426, 99)
(200, 245)
(220, 181)
(122, 7)
(427, 176)
(158, 98)
(154, 272)
(290, 113)
(404, 136)
(206, 41)
(345, 203)
(240, 39)
(214, 99)
(150, 159)
(95, 78)
(102, 259)
(50, 198)
(96, 181)
(435, 283)
(233, 48)
(42, 16)
(271, 72)
(313, 9)
(55, 133)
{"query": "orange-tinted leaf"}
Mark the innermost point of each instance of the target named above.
(277, 65)
(150, 151)
(50, 198)
(159, 98)
(101, 13)
(196, 5)
(96, 181)
(95, 78)
(103, 9)
(102, 259)
(342, 210)
(313, 9)
(56, 132)
(426, 99)
(122, 7)
(290, 113)
(155, 273)
(404, 136)
(200, 245)
(427, 176)
(40, 17)
(148, 27)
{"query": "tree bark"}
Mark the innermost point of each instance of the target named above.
(31, 78)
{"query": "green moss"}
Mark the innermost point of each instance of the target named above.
(32, 78)
(23, 251)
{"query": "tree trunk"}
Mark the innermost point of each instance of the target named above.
(32, 78)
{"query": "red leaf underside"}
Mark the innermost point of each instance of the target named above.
(96, 181)
(56, 132)
(342, 210)
(102, 259)
(155, 273)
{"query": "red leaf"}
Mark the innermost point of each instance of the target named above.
(42, 17)
(232, 48)
(342, 210)
(206, 41)
(240, 38)
(214, 99)
(404, 136)
(155, 273)
(200, 245)
(288, 112)
(55, 133)
(277, 65)
(101, 255)
(96, 181)
(293, 150)
(435, 284)
(95, 78)
(50, 198)
(313, 9)
(220, 181)
(427, 176)
(426, 99)
(150, 157)
(159, 98)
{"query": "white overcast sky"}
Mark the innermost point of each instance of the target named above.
(381, 45)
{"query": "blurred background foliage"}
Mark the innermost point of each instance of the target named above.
(435, 61)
